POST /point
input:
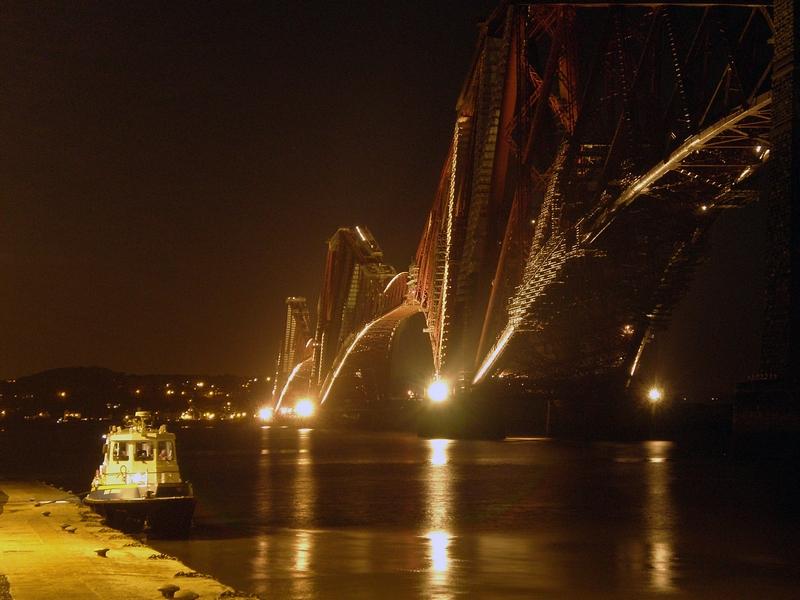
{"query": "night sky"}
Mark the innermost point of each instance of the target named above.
(170, 173)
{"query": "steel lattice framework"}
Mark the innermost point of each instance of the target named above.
(594, 146)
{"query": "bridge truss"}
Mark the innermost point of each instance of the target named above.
(593, 148)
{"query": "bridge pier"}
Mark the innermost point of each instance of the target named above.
(767, 410)
(471, 414)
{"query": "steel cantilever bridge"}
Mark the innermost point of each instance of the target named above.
(594, 145)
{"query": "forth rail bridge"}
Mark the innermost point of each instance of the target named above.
(594, 146)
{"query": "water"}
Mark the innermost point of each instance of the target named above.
(308, 513)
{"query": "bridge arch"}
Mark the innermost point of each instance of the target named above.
(384, 368)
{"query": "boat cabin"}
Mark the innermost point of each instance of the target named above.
(138, 455)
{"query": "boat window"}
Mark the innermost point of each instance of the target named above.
(165, 451)
(144, 451)
(119, 451)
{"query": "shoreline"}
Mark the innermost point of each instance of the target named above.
(48, 548)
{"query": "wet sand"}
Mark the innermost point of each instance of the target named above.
(42, 557)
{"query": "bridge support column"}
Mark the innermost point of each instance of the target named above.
(767, 410)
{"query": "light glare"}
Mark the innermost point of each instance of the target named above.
(438, 391)
(654, 394)
(304, 408)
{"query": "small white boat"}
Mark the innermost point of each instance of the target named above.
(139, 482)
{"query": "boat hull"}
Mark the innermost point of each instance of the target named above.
(165, 516)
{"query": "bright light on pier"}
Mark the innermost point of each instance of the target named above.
(438, 391)
(655, 394)
(265, 414)
(304, 408)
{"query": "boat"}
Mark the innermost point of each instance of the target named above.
(139, 483)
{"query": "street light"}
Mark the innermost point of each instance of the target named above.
(265, 414)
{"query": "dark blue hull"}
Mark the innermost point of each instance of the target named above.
(168, 515)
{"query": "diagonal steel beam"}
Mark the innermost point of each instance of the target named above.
(694, 143)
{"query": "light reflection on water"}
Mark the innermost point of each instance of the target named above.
(439, 500)
(267, 559)
(261, 511)
(659, 515)
(439, 452)
(302, 551)
(438, 479)
(439, 540)
(305, 492)
(333, 514)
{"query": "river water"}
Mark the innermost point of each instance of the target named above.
(290, 513)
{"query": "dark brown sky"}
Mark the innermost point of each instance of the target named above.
(170, 171)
